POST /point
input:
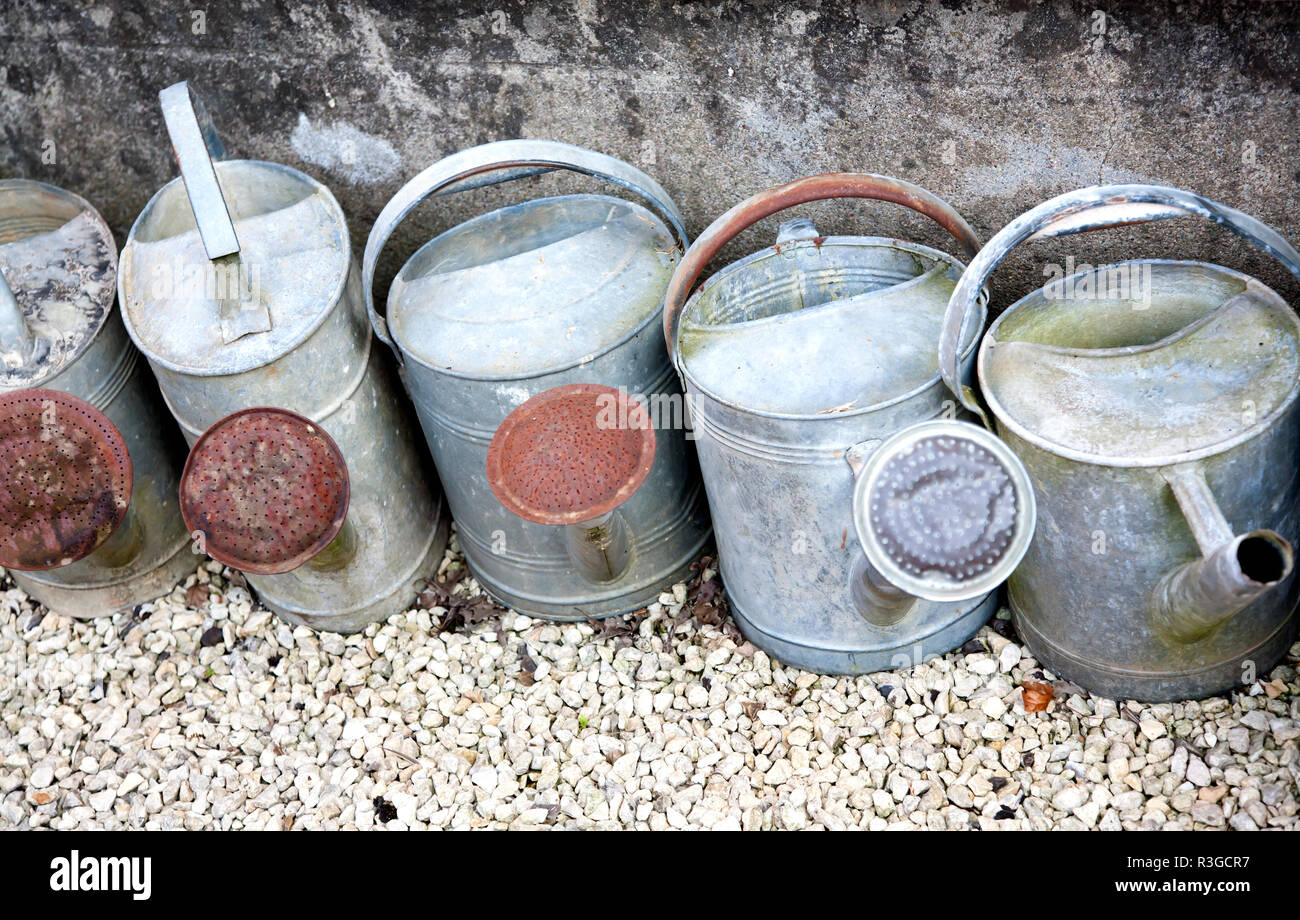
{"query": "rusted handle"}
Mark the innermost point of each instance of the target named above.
(1088, 209)
(801, 191)
(490, 164)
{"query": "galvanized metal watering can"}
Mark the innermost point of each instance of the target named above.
(548, 293)
(1154, 403)
(860, 526)
(59, 334)
(238, 284)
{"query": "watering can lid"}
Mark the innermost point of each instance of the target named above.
(532, 288)
(294, 255)
(820, 325)
(59, 262)
(1193, 358)
(267, 488)
(67, 482)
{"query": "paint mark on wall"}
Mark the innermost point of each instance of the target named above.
(359, 158)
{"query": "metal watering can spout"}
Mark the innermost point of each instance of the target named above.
(196, 144)
(569, 457)
(1193, 600)
(267, 491)
(552, 461)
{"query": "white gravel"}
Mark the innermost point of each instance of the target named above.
(131, 721)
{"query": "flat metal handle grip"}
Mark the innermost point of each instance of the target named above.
(1074, 212)
(801, 191)
(196, 144)
(490, 164)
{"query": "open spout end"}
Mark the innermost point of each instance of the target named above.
(1195, 599)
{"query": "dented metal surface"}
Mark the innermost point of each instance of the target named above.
(316, 359)
(517, 301)
(812, 370)
(59, 262)
(1155, 405)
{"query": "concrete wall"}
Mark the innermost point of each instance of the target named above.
(992, 106)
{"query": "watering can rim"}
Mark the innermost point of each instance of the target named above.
(420, 359)
(772, 250)
(1004, 418)
(110, 301)
(328, 303)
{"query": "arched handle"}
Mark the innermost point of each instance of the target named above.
(1074, 212)
(490, 164)
(801, 191)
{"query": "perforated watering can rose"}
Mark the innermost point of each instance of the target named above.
(60, 335)
(239, 286)
(547, 293)
(860, 527)
(1154, 403)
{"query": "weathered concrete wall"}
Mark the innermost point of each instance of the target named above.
(992, 106)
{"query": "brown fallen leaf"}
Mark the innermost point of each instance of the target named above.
(751, 708)
(196, 596)
(1036, 695)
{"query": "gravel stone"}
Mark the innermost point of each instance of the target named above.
(653, 721)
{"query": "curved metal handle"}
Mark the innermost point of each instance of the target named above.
(1074, 212)
(490, 164)
(801, 191)
(196, 144)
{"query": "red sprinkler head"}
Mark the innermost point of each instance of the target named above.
(571, 454)
(66, 483)
(267, 488)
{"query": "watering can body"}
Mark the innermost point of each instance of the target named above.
(58, 256)
(799, 361)
(1154, 403)
(548, 293)
(310, 351)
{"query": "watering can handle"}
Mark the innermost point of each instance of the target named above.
(801, 191)
(1074, 212)
(490, 164)
(196, 144)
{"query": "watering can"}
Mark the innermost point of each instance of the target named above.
(1154, 403)
(861, 525)
(59, 332)
(513, 303)
(239, 286)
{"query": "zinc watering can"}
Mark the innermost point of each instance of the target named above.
(551, 292)
(1154, 404)
(861, 526)
(60, 336)
(239, 286)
